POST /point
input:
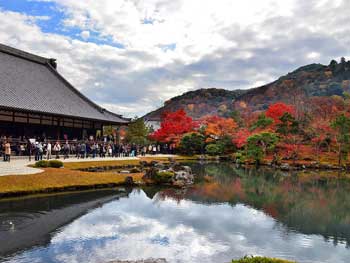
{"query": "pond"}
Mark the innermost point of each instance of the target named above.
(227, 214)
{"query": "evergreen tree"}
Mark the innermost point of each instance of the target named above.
(259, 144)
(137, 132)
(342, 126)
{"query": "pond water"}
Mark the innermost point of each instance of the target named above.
(229, 213)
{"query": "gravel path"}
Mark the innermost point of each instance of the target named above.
(20, 166)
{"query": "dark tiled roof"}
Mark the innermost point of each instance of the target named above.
(29, 82)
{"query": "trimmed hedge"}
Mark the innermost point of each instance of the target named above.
(55, 164)
(213, 149)
(260, 260)
(52, 163)
(42, 164)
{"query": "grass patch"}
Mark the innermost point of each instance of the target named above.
(71, 178)
(82, 165)
(60, 179)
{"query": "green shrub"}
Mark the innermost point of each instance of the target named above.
(213, 149)
(226, 144)
(163, 177)
(55, 164)
(192, 143)
(240, 156)
(42, 164)
(259, 144)
(260, 260)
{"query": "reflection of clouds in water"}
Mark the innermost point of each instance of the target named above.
(137, 227)
(140, 236)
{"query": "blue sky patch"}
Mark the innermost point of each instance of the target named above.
(168, 47)
(52, 20)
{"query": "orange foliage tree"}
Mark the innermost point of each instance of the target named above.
(217, 127)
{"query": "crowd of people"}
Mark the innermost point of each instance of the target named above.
(46, 149)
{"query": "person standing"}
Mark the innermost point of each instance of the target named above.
(77, 150)
(30, 149)
(40, 151)
(36, 158)
(2, 150)
(57, 149)
(83, 150)
(66, 149)
(110, 150)
(7, 151)
(144, 150)
(22, 149)
(48, 151)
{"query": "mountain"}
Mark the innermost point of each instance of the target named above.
(295, 87)
(199, 103)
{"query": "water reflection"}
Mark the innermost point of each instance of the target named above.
(311, 203)
(228, 214)
(28, 223)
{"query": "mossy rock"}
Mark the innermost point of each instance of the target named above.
(55, 164)
(261, 260)
(163, 176)
(42, 164)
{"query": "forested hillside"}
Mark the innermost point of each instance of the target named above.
(293, 88)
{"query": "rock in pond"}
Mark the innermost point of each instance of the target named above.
(285, 167)
(175, 174)
(129, 180)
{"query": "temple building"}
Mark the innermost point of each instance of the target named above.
(37, 101)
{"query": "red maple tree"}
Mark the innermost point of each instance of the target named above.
(173, 126)
(240, 138)
(276, 111)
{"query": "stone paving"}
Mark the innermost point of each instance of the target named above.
(20, 166)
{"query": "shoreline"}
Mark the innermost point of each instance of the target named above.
(75, 177)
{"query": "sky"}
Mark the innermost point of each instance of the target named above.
(130, 56)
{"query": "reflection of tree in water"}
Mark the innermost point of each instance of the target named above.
(317, 204)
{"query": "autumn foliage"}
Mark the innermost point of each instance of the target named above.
(318, 127)
(173, 126)
(217, 127)
(241, 137)
(276, 111)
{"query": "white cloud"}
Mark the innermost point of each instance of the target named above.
(172, 46)
(85, 34)
(313, 55)
(137, 228)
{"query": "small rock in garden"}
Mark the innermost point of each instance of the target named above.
(171, 160)
(153, 163)
(129, 180)
(135, 170)
(284, 166)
